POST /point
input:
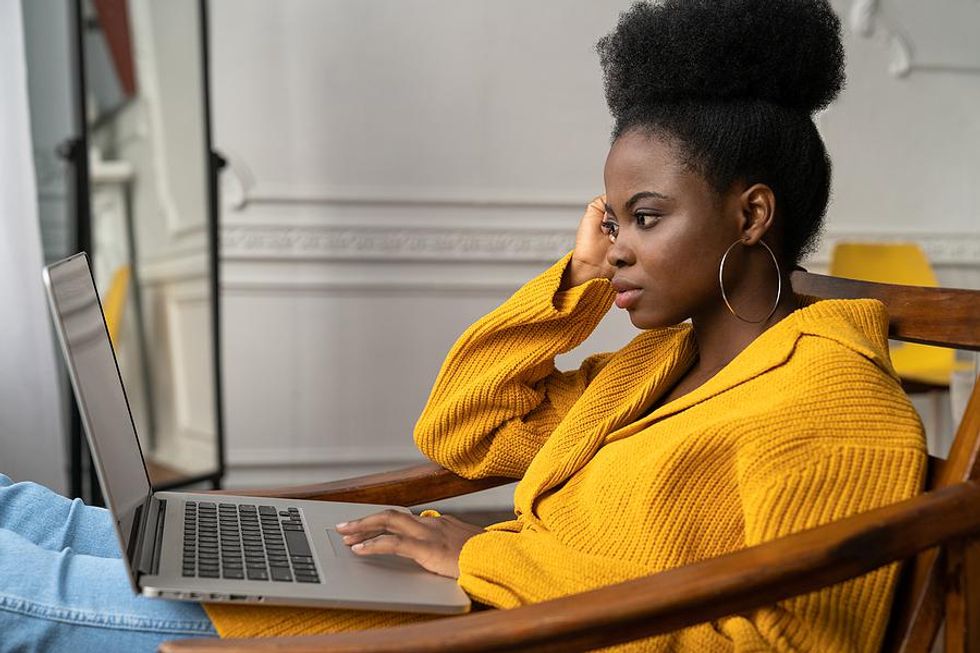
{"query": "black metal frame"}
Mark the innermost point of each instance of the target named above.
(81, 468)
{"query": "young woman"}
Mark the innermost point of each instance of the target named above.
(741, 413)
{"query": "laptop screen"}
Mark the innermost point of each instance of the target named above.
(100, 394)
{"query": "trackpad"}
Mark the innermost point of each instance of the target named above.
(341, 550)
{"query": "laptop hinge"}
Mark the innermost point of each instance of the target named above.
(151, 543)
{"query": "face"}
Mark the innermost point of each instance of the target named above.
(672, 229)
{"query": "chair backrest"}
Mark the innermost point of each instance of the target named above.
(946, 318)
(901, 263)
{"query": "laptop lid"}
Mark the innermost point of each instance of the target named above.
(101, 398)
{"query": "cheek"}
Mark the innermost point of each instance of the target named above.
(681, 269)
(676, 253)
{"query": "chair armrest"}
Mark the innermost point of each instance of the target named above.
(737, 582)
(409, 486)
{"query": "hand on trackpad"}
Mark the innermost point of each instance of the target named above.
(341, 550)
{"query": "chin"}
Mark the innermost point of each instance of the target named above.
(647, 320)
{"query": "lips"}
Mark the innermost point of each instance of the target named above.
(627, 294)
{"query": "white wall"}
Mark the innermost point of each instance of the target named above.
(905, 134)
(398, 168)
(31, 445)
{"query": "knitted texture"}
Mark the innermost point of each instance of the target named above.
(807, 425)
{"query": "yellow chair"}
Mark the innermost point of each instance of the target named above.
(921, 368)
(115, 302)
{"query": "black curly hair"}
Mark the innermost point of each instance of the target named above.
(734, 84)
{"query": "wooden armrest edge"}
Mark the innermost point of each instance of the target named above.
(407, 486)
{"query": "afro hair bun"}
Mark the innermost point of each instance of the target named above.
(787, 52)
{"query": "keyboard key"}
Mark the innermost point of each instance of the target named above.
(258, 574)
(307, 579)
(233, 573)
(281, 574)
(298, 546)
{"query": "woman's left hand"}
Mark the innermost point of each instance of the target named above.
(432, 542)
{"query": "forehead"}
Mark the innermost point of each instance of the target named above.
(642, 161)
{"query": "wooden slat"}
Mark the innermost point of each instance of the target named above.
(948, 317)
(744, 580)
(409, 486)
(962, 600)
(918, 609)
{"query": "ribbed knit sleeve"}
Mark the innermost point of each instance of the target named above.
(507, 569)
(498, 395)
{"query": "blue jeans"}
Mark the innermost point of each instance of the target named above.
(63, 585)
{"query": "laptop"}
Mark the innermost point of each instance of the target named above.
(218, 548)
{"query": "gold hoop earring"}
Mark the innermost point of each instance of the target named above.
(779, 283)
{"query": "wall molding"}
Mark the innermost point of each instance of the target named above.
(240, 191)
(943, 249)
(343, 243)
(328, 243)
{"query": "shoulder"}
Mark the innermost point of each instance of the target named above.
(836, 397)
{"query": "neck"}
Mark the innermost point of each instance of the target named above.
(720, 336)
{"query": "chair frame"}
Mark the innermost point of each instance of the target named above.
(939, 530)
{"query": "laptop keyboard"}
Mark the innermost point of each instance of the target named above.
(242, 541)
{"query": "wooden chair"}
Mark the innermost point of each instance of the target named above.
(938, 530)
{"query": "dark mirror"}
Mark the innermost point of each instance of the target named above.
(152, 222)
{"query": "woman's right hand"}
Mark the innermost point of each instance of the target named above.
(591, 244)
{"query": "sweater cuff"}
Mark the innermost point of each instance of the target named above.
(594, 297)
(472, 570)
(596, 293)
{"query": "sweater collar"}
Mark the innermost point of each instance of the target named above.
(858, 324)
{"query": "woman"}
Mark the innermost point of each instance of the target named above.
(768, 413)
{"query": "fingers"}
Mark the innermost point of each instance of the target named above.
(597, 205)
(390, 544)
(360, 536)
(387, 521)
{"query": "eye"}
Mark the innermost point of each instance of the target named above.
(647, 220)
(609, 228)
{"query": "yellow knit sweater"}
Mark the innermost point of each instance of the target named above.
(807, 425)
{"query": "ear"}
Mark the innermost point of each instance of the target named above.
(757, 207)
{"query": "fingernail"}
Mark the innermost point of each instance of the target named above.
(359, 545)
(342, 524)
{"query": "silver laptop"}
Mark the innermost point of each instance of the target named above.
(218, 548)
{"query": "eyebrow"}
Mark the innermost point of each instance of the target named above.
(643, 194)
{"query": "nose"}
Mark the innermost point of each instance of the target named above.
(620, 254)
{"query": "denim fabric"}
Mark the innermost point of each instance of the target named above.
(63, 586)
